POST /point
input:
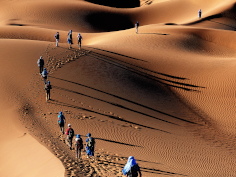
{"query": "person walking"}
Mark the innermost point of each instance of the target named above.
(131, 168)
(90, 145)
(57, 37)
(61, 121)
(48, 88)
(69, 39)
(78, 146)
(79, 40)
(40, 63)
(200, 13)
(45, 75)
(136, 26)
(69, 135)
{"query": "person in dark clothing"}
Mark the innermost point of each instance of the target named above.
(131, 168)
(79, 40)
(57, 37)
(136, 26)
(70, 38)
(200, 13)
(40, 63)
(48, 88)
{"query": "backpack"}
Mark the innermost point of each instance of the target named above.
(79, 143)
(90, 142)
(48, 87)
(61, 119)
(71, 133)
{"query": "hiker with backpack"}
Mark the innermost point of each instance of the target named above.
(45, 75)
(69, 135)
(79, 40)
(90, 144)
(57, 37)
(78, 146)
(40, 63)
(48, 88)
(131, 168)
(61, 121)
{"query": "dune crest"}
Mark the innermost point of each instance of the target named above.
(165, 95)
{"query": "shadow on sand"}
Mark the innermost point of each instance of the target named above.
(117, 142)
(211, 19)
(129, 109)
(138, 70)
(121, 106)
(155, 33)
(56, 102)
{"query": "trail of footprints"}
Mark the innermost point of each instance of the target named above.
(103, 163)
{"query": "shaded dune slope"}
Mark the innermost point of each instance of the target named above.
(164, 95)
(78, 16)
(117, 4)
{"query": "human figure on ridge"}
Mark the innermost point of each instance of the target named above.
(69, 135)
(57, 37)
(40, 63)
(136, 26)
(48, 88)
(61, 121)
(45, 75)
(69, 38)
(78, 146)
(200, 13)
(131, 168)
(90, 145)
(79, 40)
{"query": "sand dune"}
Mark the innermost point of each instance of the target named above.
(165, 95)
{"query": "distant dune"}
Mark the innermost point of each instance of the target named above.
(165, 95)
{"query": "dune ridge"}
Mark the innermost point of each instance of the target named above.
(165, 95)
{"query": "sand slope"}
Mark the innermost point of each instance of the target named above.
(165, 95)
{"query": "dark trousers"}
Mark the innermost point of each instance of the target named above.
(48, 95)
(40, 69)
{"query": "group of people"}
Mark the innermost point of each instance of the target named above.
(78, 141)
(131, 169)
(44, 73)
(69, 39)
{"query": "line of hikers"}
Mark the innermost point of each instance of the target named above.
(131, 169)
(78, 141)
(69, 39)
(44, 73)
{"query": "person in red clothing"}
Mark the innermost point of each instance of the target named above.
(69, 135)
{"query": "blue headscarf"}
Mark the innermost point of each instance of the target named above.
(130, 163)
(60, 114)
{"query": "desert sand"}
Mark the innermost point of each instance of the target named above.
(165, 95)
